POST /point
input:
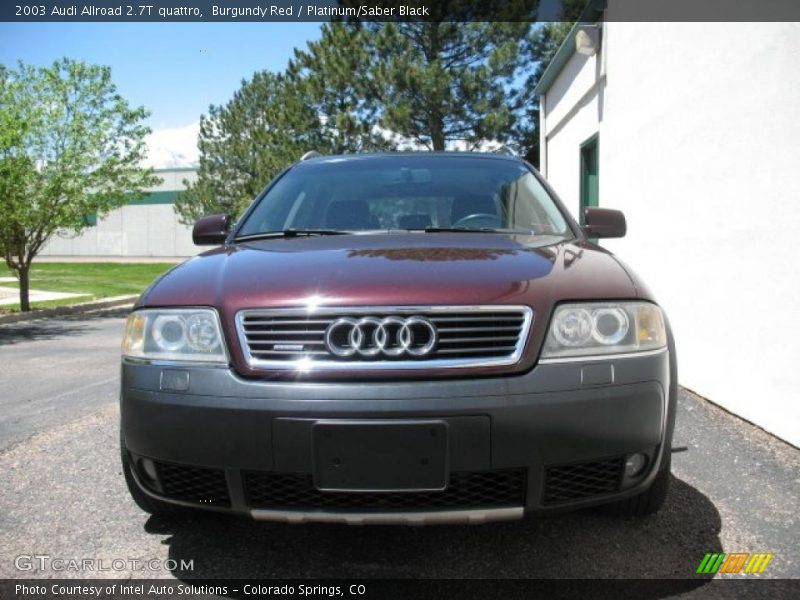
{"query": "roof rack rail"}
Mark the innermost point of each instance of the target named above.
(310, 154)
(504, 150)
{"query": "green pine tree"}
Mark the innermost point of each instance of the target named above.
(265, 127)
(329, 76)
(538, 49)
(439, 82)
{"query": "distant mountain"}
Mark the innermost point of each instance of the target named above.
(176, 147)
(173, 147)
(164, 158)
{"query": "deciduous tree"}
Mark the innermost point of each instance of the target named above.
(70, 146)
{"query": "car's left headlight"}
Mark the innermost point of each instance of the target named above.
(589, 329)
(185, 334)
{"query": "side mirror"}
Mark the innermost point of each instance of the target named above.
(211, 230)
(604, 223)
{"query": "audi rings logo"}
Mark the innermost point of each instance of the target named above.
(389, 337)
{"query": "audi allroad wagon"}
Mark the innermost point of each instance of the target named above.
(400, 338)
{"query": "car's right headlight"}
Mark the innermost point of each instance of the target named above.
(602, 328)
(179, 334)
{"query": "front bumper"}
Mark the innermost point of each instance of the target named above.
(553, 438)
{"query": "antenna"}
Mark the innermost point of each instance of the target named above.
(310, 154)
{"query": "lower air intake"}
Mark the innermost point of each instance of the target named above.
(296, 491)
(193, 484)
(566, 483)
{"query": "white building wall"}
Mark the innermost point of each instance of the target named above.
(573, 112)
(700, 147)
(135, 229)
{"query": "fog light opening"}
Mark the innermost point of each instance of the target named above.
(635, 464)
(147, 469)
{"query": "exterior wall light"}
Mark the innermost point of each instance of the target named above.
(587, 40)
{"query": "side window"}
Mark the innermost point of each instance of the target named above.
(590, 174)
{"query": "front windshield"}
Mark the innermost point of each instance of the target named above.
(400, 192)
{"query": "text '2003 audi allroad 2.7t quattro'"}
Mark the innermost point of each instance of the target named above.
(400, 338)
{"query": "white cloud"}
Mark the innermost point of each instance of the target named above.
(173, 147)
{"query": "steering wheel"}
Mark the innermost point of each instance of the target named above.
(489, 219)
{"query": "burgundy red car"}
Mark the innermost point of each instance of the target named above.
(400, 338)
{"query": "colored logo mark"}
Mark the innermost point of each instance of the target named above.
(737, 562)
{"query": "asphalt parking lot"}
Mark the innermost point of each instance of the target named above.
(735, 488)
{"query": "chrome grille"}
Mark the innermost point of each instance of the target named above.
(466, 336)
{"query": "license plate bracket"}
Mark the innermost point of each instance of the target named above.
(380, 456)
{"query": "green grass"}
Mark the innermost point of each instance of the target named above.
(98, 280)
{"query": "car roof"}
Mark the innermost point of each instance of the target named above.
(428, 155)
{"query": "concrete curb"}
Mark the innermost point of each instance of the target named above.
(69, 309)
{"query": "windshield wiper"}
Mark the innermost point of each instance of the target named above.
(475, 230)
(287, 233)
(293, 232)
(433, 229)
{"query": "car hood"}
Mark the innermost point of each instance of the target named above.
(392, 269)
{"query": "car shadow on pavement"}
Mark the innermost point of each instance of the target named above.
(583, 544)
(55, 327)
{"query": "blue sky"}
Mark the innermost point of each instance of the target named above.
(174, 69)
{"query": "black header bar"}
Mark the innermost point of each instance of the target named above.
(405, 589)
(227, 11)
